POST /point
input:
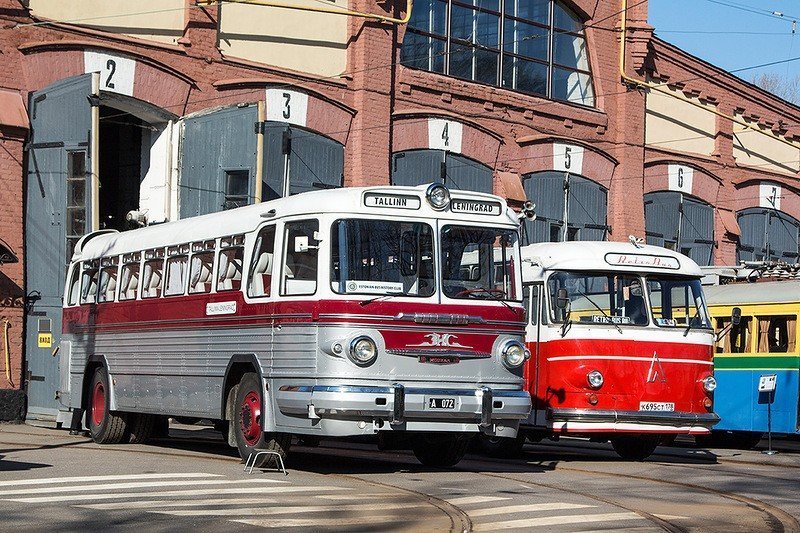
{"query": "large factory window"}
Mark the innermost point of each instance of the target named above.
(415, 167)
(680, 223)
(568, 208)
(767, 235)
(532, 46)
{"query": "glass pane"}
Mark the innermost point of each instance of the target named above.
(421, 15)
(534, 10)
(479, 263)
(176, 274)
(200, 272)
(151, 280)
(382, 257)
(301, 251)
(598, 299)
(238, 182)
(76, 221)
(572, 86)
(677, 302)
(229, 270)
(461, 61)
(129, 282)
(461, 23)
(76, 193)
(570, 51)
(77, 165)
(529, 77)
(525, 39)
(486, 66)
(419, 51)
(261, 268)
(564, 19)
(488, 30)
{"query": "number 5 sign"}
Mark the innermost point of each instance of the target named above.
(116, 72)
(284, 105)
(568, 158)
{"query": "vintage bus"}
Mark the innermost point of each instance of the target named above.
(621, 346)
(330, 313)
(756, 327)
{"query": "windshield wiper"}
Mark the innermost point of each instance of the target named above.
(493, 294)
(610, 321)
(381, 297)
(689, 325)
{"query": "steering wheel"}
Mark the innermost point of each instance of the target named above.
(465, 292)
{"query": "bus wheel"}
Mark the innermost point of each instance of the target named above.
(440, 450)
(249, 424)
(105, 427)
(141, 427)
(635, 448)
(501, 447)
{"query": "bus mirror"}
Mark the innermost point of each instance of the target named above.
(562, 298)
(736, 316)
(301, 244)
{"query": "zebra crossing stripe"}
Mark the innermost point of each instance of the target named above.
(544, 521)
(174, 493)
(468, 500)
(152, 504)
(139, 485)
(267, 511)
(527, 508)
(370, 521)
(84, 479)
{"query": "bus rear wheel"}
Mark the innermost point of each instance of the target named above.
(501, 447)
(249, 424)
(105, 426)
(440, 450)
(635, 447)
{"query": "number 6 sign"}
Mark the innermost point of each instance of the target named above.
(116, 72)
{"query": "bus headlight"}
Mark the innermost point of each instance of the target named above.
(363, 351)
(438, 196)
(709, 383)
(514, 354)
(595, 379)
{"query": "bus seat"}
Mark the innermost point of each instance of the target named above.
(233, 276)
(154, 286)
(201, 279)
(111, 289)
(130, 290)
(261, 274)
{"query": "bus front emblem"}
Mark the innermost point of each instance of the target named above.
(446, 340)
(656, 370)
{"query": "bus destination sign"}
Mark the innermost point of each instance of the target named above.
(395, 201)
(475, 207)
(643, 260)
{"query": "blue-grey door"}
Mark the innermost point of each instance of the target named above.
(681, 223)
(586, 203)
(767, 234)
(56, 215)
(306, 160)
(218, 160)
(416, 167)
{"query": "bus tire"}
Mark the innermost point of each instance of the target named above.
(440, 450)
(248, 424)
(141, 427)
(105, 426)
(635, 447)
(501, 447)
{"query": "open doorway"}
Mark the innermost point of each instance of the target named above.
(121, 166)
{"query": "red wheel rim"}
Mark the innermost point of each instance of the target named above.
(98, 404)
(250, 418)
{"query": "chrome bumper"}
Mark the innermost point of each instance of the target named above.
(397, 404)
(671, 418)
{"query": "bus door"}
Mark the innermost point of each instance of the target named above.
(533, 369)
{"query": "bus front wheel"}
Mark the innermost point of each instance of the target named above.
(440, 450)
(105, 426)
(635, 447)
(248, 424)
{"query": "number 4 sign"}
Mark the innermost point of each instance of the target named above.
(444, 135)
(116, 72)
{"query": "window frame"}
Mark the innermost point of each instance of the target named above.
(254, 260)
(285, 255)
(228, 243)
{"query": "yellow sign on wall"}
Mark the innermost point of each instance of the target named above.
(45, 340)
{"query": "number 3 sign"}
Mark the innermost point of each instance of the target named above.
(284, 105)
(116, 72)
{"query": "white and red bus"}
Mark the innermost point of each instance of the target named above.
(621, 345)
(333, 313)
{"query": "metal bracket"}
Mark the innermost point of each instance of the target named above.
(398, 413)
(251, 461)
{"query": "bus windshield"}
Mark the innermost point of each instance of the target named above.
(479, 263)
(598, 298)
(677, 302)
(383, 257)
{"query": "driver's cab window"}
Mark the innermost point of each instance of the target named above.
(530, 300)
(73, 294)
(260, 280)
(301, 256)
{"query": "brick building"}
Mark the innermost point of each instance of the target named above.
(165, 109)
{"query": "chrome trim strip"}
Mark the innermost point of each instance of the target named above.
(642, 417)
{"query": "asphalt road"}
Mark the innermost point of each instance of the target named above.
(192, 480)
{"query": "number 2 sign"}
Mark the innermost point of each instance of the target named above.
(116, 72)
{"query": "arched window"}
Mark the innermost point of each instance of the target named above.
(531, 46)
(767, 235)
(415, 167)
(681, 223)
(568, 208)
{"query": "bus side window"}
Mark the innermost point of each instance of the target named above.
(230, 269)
(200, 273)
(737, 340)
(300, 258)
(89, 284)
(176, 275)
(108, 284)
(151, 280)
(777, 334)
(260, 279)
(74, 285)
(534, 308)
(129, 282)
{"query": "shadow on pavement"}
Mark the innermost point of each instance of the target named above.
(16, 466)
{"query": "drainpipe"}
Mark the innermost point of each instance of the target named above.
(262, 117)
(332, 11)
(95, 153)
(660, 89)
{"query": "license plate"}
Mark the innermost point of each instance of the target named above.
(441, 403)
(656, 406)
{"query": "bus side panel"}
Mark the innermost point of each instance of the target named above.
(742, 408)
